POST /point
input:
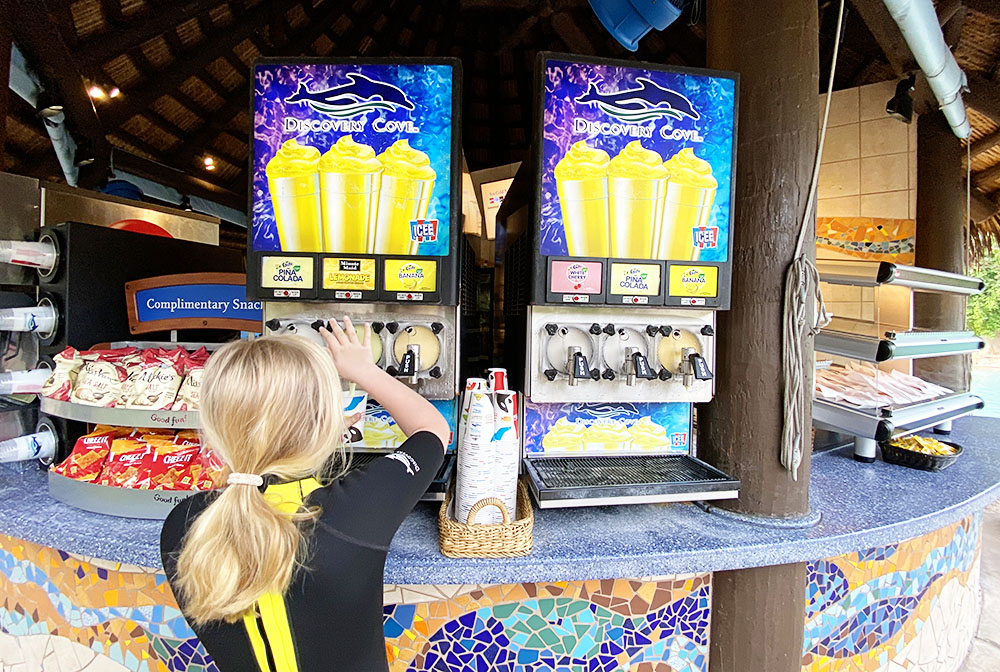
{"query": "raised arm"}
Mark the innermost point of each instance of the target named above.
(355, 364)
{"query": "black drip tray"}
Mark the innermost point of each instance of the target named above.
(582, 481)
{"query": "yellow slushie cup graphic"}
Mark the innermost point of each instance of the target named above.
(293, 180)
(690, 194)
(407, 183)
(582, 185)
(637, 181)
(349, 176)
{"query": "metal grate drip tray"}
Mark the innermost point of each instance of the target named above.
(588, 481)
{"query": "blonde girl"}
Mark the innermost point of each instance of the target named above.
(281, 570)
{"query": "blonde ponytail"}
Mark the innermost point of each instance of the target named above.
(273, 407)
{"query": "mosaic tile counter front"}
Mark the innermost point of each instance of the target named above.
(911, 606)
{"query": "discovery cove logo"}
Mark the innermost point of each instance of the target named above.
(649, 101)
(360, 96)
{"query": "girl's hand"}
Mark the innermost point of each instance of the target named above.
(352, 357)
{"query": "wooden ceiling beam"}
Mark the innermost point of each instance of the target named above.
(983, 96)
(160, 19)
(985, 144)
(5, 48)
(984, 180)
(952, 29)
(982, 206)
(946, 9)
(173, 75)
(887, 34)
(112, 10)
(38, 36)
(990, 8)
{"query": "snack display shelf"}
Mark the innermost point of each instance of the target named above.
(897, 345)
(111, 501)
(873, 274)
(122, 417)
(881, 424)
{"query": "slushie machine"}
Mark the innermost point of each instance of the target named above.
(355, 202)
(616, 278)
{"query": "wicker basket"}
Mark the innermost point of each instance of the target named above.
(509, 539)
(915, 460)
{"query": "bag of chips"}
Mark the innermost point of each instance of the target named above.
(154, 383)
(173, 470)
(208, 471)
(88, 456)
(189, 394)
(60, 383)
(99, 382)
(128, 465)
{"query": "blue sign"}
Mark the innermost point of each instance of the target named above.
(202, 302)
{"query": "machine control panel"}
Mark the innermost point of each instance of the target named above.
(649, 355)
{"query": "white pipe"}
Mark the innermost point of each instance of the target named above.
(918, 21)
(23, 382)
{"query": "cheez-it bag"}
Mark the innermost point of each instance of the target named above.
(88, 456)
(173, 470)
(128, 465)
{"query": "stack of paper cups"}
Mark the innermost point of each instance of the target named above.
(474, 478)
(506, 449)
(471, 385)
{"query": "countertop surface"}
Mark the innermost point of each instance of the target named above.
(861, 506)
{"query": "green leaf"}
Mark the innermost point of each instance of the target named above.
(296, 268)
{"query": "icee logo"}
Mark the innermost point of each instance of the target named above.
(705, 237)
(424, 230)
(648, 101)
(361, 95)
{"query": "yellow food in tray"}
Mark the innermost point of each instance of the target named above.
(925, 445)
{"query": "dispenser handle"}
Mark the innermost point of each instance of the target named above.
(581, 368)
(700, 367)
(641, 365)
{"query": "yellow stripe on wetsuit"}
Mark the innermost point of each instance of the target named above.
(277, 633)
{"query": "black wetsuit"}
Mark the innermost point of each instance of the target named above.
(330, 618)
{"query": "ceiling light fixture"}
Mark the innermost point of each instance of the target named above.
(96, 92)
(900, 106)
(209, 161)
(48, 105)
(114, 92)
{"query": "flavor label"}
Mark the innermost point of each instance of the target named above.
(602, 428)
(577, 277)
(286, 272)
(637, 161)
(410, 275)
(700, 281)
(635, 279)
(349, 274)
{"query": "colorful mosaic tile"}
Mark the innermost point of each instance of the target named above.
(907, 607)
(588, 626)
(872, 238)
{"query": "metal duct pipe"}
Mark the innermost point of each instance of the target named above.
(919, 23)
(24, 83)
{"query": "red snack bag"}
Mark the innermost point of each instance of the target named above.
(209, 475)
(128, 465)
(173, 470)
(200, 356)
(88, 456)
(188, 437)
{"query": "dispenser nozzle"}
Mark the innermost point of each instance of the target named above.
(410, 363)
(577, 365)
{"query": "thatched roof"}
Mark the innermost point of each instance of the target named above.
(183, 70)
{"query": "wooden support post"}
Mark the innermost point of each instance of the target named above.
(940, 242)
(758, 614)
(5, 46)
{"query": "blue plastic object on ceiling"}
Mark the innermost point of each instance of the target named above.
(122, 189)
(629, 20)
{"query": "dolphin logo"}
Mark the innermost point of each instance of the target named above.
(361, 95)
(648, 101)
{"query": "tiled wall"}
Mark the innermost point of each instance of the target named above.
(907, 607)
(869, 166)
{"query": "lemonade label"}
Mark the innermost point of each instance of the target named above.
(577, 277)
(410, 275)
(349, 274)
(286, 272)
(694, 281)
(635, 279)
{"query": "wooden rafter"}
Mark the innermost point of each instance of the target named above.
(984, 96)
(983, 207)
(984, 179)
(985, 144)
(990, 8)
(190, 63)
(952, 28)
(887, 34)
(158, 19)
(5, 45)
